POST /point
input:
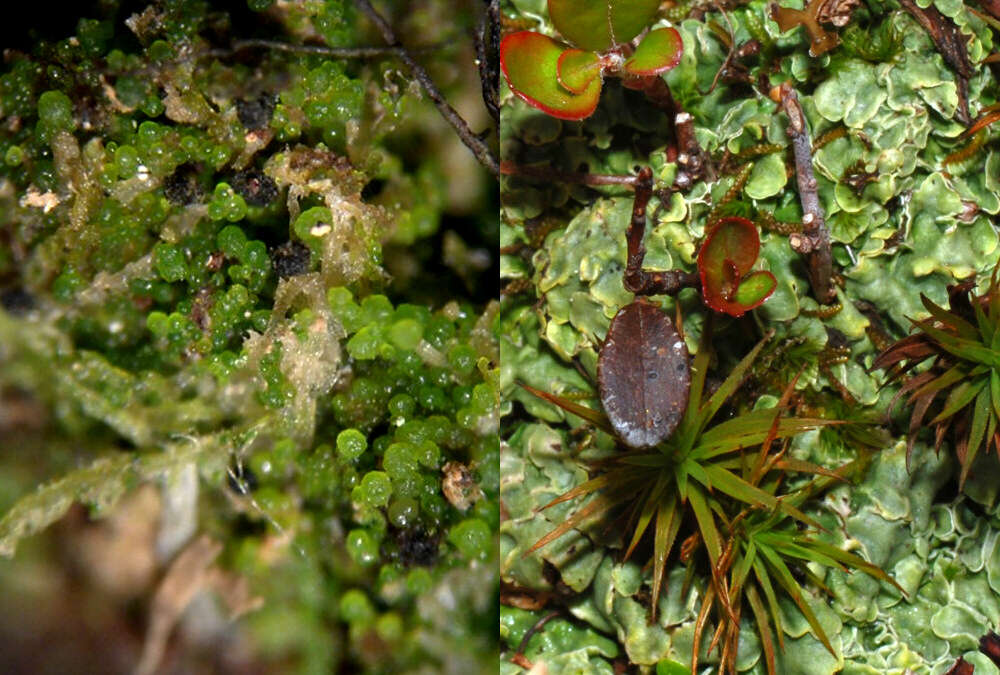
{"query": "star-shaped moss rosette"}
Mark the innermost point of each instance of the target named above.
(720, 487)
(565, 81)
(964, 376)
(725, 262)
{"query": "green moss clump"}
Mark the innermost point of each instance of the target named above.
(149, 184)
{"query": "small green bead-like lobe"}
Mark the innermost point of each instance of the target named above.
(319, 471)
(338, 296)
(428, 454)
(65, 286)
(158, 324)
(127, 161)
(170, 262)
(376, 309)
(403, 512)
(14, 156)
(55, 114)
(351, 444)
(159, 50)
(389, 627)
(463, 359)
(362, 547)
(400, 461)
(226, 204)
(418, 581)
(356, 608)
(232, 241)
(94, 35)
(402, 406)
(375, 489)
(364, 345)
(312, 225)
(488, 510)
(432, 399)
(472, 538)
(406, 333)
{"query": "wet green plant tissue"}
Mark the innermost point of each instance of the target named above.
(909, 201)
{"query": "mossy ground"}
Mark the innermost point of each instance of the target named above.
(247, 325)
(906, 216)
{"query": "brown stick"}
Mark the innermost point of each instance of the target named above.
(960, 667)
(814, 240)
(487, 43)
(992, 7)
(322, 50)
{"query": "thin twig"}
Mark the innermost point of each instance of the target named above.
(690, 157)
(729, 56)
(471, 140)
(518, 657)
(814, 240)
(487, 40)
(336, 52)
(548, 174)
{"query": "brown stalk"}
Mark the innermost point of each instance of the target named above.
(699, 625)
(487, 43)
(638, 280)
(960, 667)
(814, 240)
(992, 7)
(989, 644)
(547, 174)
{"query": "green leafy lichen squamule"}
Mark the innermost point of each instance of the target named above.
(909, 214)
